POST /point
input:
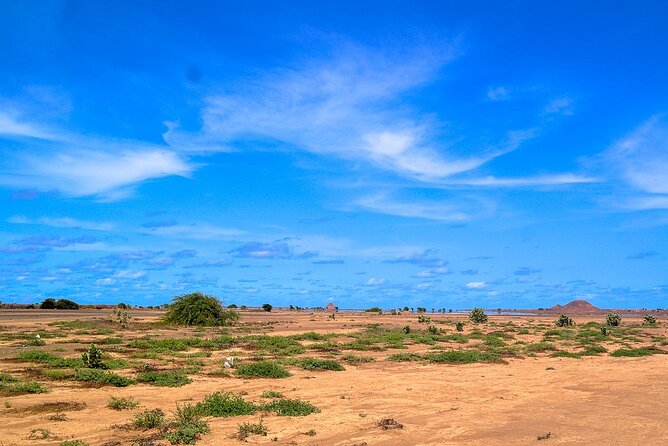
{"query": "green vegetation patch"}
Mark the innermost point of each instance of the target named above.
(404, 357)
(462, 356)
(49, 359)
(13, 385)
(122, 403)
(262, 369)
(320, 364)
(636, 352)
(102, 377)
(199, 310)
(187, 426)
(225, 404)
(290, 408)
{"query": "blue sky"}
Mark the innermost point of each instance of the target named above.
(438, 154)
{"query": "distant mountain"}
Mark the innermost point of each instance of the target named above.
(576, 306)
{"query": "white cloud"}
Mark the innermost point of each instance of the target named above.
(106, 281)
(62, 222)
(476, 285)
(130, 274)
(78, 165)
(432, 210)
(539, 180)
(200, 231)
(498, 93)
(375, 282)
(559, 106)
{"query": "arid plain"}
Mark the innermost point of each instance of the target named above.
(515, 380)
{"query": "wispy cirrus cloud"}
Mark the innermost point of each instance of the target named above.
(62, 222)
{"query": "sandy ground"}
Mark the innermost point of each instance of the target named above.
(593, 400)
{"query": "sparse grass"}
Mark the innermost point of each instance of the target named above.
(39, 434)
(122, 403)
(462, 356)
(262, 369)
(636, 352)
(404, 357)
(13, 385)
(312, 336)
(245, 430)
(74, 443)
(271, 394)
(274, 345)
(148, 419)
(49, 359)
(102, 377)
(356, 359)
(225, 404)
(58, 374)
(540, 347)
(320, 364)
(290, 408)
(166, 378)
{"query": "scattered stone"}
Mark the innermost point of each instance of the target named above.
(389, 423)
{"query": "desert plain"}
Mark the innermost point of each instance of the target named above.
(377, 379)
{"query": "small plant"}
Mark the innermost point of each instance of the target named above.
(564, 321)
(166, 378)
(247, 429)
(271, 394)
(478, 316)
(148, 419)
(613, 320)
(423, 319)
(74, 443)
(649, 320)
(121, 316)
(406, 329)
(102, 377)
(122, 403)
(267, 307)
(187, 426)
(320, 364)
(459, 326)
(37, 341)
(92, 359)
(262, 369)
(39, 434)
(604, 330)
(432, 329)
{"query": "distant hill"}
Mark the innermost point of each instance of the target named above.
(576, 306)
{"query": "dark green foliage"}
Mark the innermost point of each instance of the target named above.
(271, 394)
(148, 419)
(459, 326)
(276, 345)
(225, 404)
(122, 403)
(166, 378)
(374, 310)
(102, 377)
(267, 307)
(613, 320)
(262, 369)
(66, 304)
(312, 336)
(93, 358)
(200, 310)
(320, 364)
(355, 359)
(478, 316)
(247, 429)
(406, 329)
(181, 344)
(649, 320)
(290, 408)
(48, 304)
(432, 329)
(540, 347)
(564, 321)
(187, 426)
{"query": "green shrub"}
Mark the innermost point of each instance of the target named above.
(247, 429)
(93, 358)
(613, 320)
(102, 377)
(320, 364)
(277, 345)
(290, 408)
(187, 426)
(122, 403)
(355, 359)
(48, 304)
(271, 394)
(649, 320)
(57, 374)
(148, 419)
(200, 310)
(66, 304)
(374, 310)
(459, 326)
(267, 307)
(49, 359)
(262, 369)
(432, 329)
(11, 384)
(225, 404)
(564, 321)
(478, 316)
(166, 378)
(540, 347)
(74, 443)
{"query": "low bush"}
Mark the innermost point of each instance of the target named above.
(149, 419)
(225, 404)
(122, 403)
(200, 310)
(478, 316)
(613, 320)
(649, 320)
(271, 394)
(263, 369)
(564, 321)
(636, 352)
(166, 378)
(187, 426)
(102, 377)
(245, 430)
(320, 364)
(462, 356)
(290, 408)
